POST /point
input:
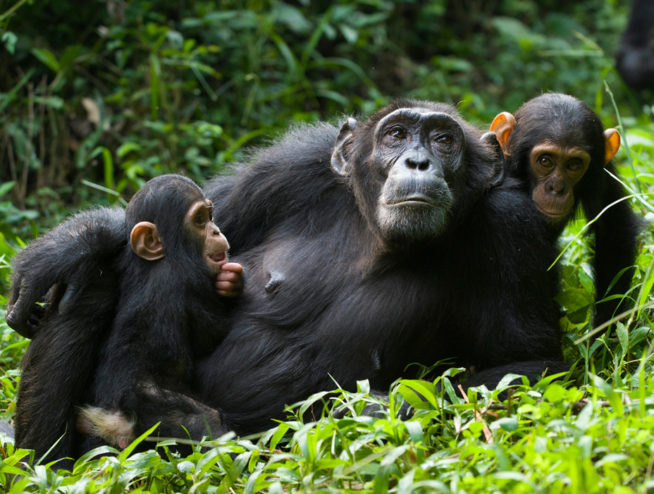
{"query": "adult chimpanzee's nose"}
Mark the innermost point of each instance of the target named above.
(420, 164)
(417, 159)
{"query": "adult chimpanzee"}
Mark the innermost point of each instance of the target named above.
(635, 56)
(557, 147)
(166, 275)
(366, 250)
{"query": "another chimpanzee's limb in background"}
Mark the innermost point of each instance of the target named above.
(635, 56)
(66, 259)
(59, 363)
(557, 147)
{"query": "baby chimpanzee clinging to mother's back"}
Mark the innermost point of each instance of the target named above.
(171, 275)
(557, 147)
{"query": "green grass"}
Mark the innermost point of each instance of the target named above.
(545, 438)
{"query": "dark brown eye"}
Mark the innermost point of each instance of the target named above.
(201, 218)
(545, 161)
(574, 165)
(445, 139)
(397, 132)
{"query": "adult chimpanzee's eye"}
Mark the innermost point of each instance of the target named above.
(397, 132)
(445, 139)
(545, 160)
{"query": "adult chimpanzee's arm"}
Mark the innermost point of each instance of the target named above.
(69, 256)
(616, 232)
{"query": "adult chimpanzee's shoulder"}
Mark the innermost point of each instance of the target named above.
(517, 227)
(508, 197)
(506, 219)
(300, 146)
(298, 160)
(290, 176)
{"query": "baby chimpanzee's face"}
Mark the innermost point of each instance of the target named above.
(199, 224)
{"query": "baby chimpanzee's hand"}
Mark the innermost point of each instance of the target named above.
(229, 282)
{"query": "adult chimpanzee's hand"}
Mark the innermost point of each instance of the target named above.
(23, 312)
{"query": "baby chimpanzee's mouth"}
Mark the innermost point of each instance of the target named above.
(218, 257)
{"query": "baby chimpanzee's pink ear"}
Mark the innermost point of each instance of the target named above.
(146, 242)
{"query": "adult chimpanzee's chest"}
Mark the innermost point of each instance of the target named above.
(376, 310)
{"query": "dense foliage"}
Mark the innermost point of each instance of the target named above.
(110, 93)
(98, 96)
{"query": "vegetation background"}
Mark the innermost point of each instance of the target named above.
(97, 96)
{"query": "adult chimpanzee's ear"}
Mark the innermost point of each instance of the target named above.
(496, 173)
(340, 163)
(146, 242)
(503, 124)
(611, 144)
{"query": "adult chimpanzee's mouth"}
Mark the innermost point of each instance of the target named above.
(413, 200)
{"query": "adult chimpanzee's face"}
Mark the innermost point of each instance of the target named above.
(419, 151)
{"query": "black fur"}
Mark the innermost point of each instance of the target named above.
(635, 55)
(79, 257)
(168, 314)
(331, 297)
(568, 121)
(129, 340)
(352, 305)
